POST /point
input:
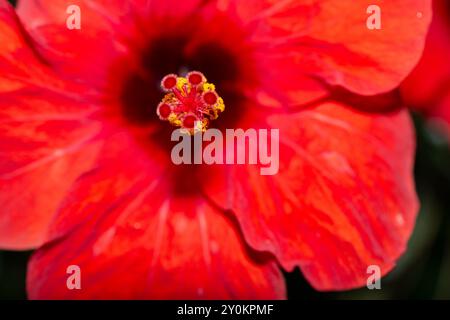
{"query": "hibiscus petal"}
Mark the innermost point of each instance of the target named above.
(98, 13)
(108, 29)
(29, 200)
(20, 64)
(428, 84)
(329, 40)
(80, 54)
(343, 199)
(43, 138)
(44, 147)
(139, 241)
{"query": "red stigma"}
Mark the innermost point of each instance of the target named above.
(164, 111)
(189, 121)
(195, 78)
(210, 98)
(169, 82)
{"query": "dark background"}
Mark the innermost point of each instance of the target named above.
(422, 273)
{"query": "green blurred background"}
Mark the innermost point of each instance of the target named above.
(422, 273)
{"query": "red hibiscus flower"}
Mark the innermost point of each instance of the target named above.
(427, 89)
(86, 175)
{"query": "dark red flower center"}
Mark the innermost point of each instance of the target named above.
(164, 53)
(151, 73)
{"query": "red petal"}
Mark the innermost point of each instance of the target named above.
(427, 88)
(100, 15)
(18, 61)
(42, 154)
(43, 139)
(343, 199)
(84, 53)
(148, 244)
(431, 78)
(106, 29)
(329, 40)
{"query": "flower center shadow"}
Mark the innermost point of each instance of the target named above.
(141, 91)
